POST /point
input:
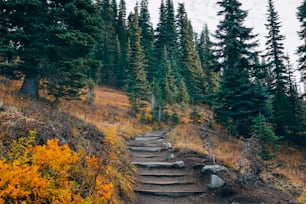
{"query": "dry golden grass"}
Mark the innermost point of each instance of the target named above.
(110, 109)
(185, 139)
(189, 138)
(289, 162)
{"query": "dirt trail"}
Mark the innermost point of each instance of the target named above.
(165, 176)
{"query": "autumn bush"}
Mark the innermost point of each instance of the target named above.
(45, 174)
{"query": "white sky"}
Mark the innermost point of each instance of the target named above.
(205, 11)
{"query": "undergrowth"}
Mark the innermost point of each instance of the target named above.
(101, 172)
(52, 173)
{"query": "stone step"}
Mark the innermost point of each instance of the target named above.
(155, 133)
(147, 149)
(164, 180)
(148, 138)
(162, 172)
(170, 190)
(139, 143)
(149, 159)
(150, 143)
(153, 182)
(177, 164)
(138, 154)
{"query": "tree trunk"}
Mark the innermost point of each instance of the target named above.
(159, 114)
(30, 84)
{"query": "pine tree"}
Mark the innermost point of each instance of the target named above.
(8, 54)
(170, 27)
(166, 79)
(279, 82)
(121, 29)
(183, 96)
(296, 120)
(302, 48)
(265, 134)
(235, 106)
(189, 61)
(147, 39)
(166, 31)
(209, 64)
(109, 42)
(136, 84)
(54, 40)
(161, 37)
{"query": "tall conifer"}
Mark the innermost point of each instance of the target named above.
(209, 64)
(279, 79)
(166, 30)
(189, 61)
(136, 84)
(122, 32)
(235, 106)
(147, 39)
(109, 43)
(302, 48)
(54, 40)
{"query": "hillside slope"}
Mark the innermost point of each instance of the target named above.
(99, 130)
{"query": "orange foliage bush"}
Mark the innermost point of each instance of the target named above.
(42, 174)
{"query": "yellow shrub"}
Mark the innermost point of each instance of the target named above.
(42, 174)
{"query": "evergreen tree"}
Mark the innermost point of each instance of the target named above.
(302, 34)
(189, 61)
(170, 27)
(161, 29)
(183, 96)
(109, 42)
(122, 33)
(209, 64)
(265, 134)
(166, 28)
(166, 79)
(279, 82)
(136, 85)
(8, 54)
(296, 120)
(166, 31)
(235, 105)
(54, 41)
(147, 39)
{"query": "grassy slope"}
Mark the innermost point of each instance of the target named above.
(95, 129)
(286, 171)
(110, 111)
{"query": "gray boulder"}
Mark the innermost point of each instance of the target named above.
(216, 182)
(179, 164)
(213, 169)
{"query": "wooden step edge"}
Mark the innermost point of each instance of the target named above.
(177, 164)
(170, 194)
(166, 183)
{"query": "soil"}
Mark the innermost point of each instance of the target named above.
(162, 183)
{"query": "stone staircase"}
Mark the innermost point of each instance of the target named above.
(161, 178)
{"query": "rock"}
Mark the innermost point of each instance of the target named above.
(213, 169)
(179, 164)
(216, 182)
(168, 145)
(170, 157)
